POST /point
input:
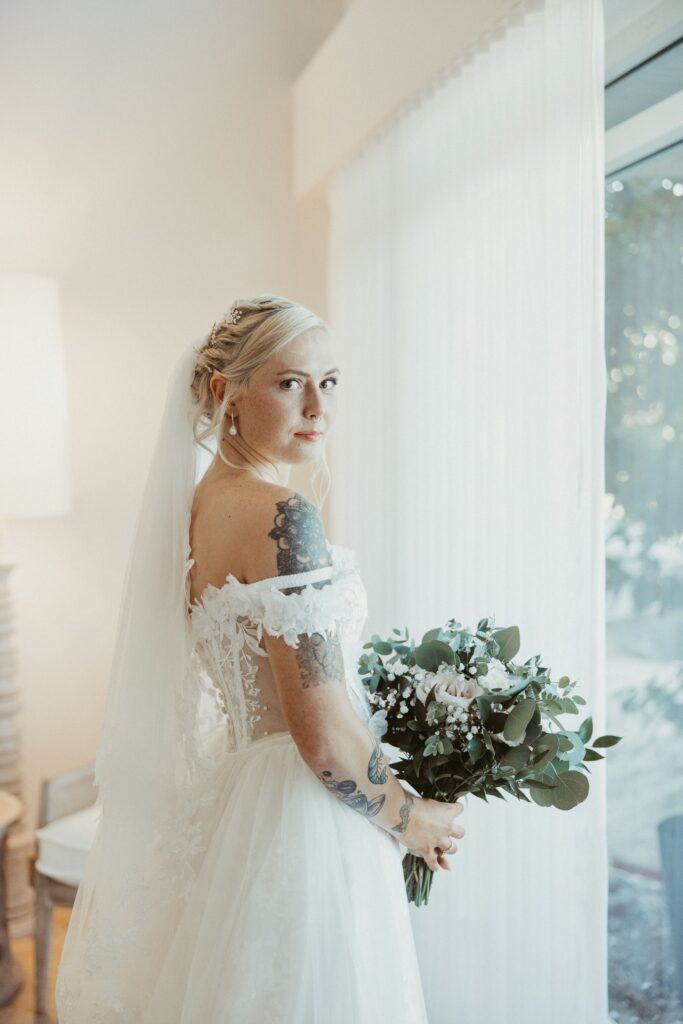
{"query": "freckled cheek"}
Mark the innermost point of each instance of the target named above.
(272, 413)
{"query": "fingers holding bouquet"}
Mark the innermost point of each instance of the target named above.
(433, 829)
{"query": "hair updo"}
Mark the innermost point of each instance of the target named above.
(265, 324)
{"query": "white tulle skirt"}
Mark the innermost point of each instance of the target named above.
(298, 914)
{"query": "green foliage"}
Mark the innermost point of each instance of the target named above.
(519, 746)
(432, 653)
(518, 719)
(508, 641)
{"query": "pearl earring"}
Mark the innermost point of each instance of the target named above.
(232, 429)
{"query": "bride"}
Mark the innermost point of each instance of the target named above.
(246, 867)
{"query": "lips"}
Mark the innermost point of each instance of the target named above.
(309, 433)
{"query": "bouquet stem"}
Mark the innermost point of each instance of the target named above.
(418, 878)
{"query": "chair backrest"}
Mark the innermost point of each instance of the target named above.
(66, 793)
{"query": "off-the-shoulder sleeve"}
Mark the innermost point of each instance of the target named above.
(323, 607)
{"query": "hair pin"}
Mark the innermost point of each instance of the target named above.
(235, 314)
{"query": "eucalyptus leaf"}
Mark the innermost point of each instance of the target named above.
(568, 706)
(542, 797)
(475, 748)
(431, 634)
(586, 729)
(549, 744)
(571, 790)
(606, 741)
(508, 642)
(518, 757)
(541, 761)
(505, 696)
(431, 654)
(576, 751)
(518, 719)
(553, 705)
(495, 721)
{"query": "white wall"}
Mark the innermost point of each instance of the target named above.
(146, 165)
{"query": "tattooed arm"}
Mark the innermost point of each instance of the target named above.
(332, 739)
(334, 742)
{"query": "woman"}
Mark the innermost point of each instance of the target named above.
(247, 867)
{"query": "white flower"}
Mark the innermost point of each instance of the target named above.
(424, 686)
(496, 676)
(377, 724)
(404, 707)
(455, 691)
(510, 743)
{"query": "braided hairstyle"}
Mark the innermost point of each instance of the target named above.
(253, 331)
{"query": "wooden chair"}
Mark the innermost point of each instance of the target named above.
(66, 827)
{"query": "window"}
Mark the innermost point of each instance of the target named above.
(644, 551)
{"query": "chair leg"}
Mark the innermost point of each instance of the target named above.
(43, 940)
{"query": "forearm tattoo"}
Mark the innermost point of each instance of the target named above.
(404, 813)
(347, 792)
(377, 765)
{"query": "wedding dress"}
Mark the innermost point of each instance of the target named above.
(225, 883)
(296, 912)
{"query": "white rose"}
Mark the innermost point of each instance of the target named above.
(423, 687)
(496, 676)
(453, 700)
(455, 684)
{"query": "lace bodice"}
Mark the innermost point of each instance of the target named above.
(227, 624)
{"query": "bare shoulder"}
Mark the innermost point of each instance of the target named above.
(286, 533)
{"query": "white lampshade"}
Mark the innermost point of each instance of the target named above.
(33, 457)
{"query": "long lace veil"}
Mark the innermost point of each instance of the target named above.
(128, 903)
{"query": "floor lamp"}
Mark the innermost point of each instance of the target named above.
(33, 482)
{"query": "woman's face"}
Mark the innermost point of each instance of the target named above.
(295, 391)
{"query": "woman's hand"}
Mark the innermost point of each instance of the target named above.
(429, 832)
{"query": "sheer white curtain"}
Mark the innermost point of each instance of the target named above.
(466, 297)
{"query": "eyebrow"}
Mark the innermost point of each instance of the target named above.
(302, 373)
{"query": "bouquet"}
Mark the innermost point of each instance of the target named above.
(468, 719)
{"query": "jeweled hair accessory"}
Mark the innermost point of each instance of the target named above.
(232, 318)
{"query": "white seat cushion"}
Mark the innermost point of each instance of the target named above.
(63, 845)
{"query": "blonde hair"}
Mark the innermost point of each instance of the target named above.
(266, 324)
